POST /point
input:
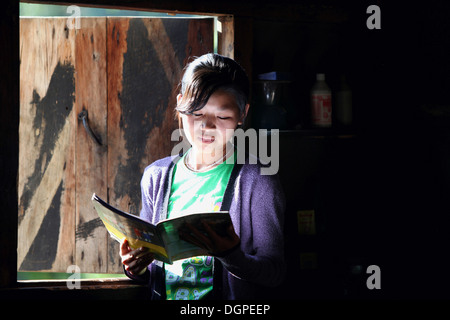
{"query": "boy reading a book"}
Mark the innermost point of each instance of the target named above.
(246, 259)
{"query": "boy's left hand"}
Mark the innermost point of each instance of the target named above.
(214, 243)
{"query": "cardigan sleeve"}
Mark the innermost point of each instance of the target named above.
(153, 191)
(261, 205)
(146, 214)
(147, 195)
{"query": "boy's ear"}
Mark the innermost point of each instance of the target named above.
(244, 114)
(247, 106)
(179, 97)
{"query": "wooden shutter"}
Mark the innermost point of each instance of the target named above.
(124, 72)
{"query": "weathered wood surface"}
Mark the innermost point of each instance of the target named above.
(226, 36)
(9, 141)
(91, 159)
(46, 145)
(124, 72)
(145, 62)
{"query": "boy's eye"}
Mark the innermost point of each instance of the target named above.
(197, 114)
(223, 118)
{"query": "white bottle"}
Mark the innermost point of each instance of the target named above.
(344, 113)
(321, 102)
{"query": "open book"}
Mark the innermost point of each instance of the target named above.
(162, 239)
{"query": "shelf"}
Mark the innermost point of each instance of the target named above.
(318, 132)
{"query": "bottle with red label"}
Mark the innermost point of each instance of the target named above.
(321, 103)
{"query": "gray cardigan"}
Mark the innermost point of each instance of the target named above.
(256, 204)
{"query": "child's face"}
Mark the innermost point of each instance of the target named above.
(210, 128)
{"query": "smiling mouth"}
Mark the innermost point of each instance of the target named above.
(207, 139)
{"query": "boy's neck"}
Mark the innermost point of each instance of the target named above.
(198, 160)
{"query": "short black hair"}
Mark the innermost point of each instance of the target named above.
(207, 74)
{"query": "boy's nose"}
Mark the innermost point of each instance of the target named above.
(208, 123)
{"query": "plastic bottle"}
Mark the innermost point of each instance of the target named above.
(321, 102)
(344, 113)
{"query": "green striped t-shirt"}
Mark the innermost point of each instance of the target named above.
(192, 279)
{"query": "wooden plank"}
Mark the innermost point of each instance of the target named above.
(9, 141)
(243, 43)
(116, 48)
(145, 61)
(46, 170)
(226, 37)
(125, 73)
(91, 158)
(145, 68)
(200, 38)
(243, 51)
(333, 12)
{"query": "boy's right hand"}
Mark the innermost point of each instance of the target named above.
(135, 261)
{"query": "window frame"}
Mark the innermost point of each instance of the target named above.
(226, 46)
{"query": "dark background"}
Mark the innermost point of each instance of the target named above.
(381, 196)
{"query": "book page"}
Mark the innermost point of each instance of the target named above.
(179, 248)
(138, 232)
